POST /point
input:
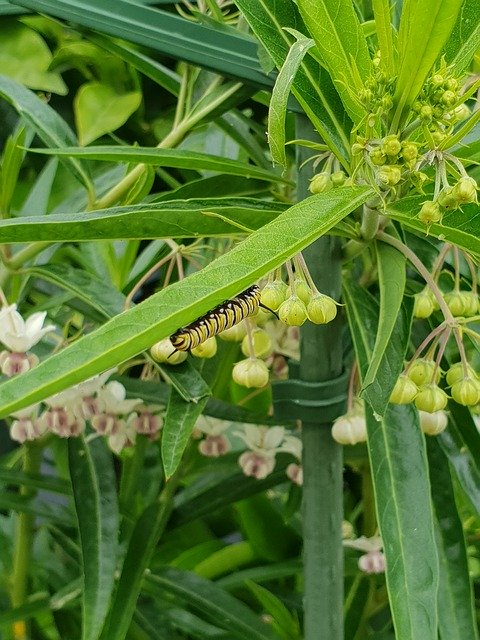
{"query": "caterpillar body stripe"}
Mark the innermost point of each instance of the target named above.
(222, 317)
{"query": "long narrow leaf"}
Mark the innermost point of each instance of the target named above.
(464, 40)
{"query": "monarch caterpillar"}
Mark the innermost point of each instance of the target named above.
(222, 317)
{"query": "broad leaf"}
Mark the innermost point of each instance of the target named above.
(464, 40)
(182, 302)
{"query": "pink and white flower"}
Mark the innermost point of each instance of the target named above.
(20, 335)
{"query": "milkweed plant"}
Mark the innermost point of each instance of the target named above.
(166, 175)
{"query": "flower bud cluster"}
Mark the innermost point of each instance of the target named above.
(464, 191)
(377, 95)
(461, 303)
(326, 180)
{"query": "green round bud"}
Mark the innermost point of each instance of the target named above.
(433, 423)
(251, 373)
(391, 145)
(449, 98)
(338, 178)
(457, 373)
(465, 191)
(470, 300)
(235, 333)
(456, 303)
(365, 95)
(377, 157)
(404, 390)
(302, 290)
(424, 304)
(462, 112)
(293, 311)
(389, 175)
(446, 200)
(320, 183)
(409, 152)
(451, 84)
(426, 113)
(430, 212)
(349, 429)
(321, 309)
(466, 392)
(273, 294)
(431, 398)
(437, 80)
(164, 352)
(262, 344)
(421, 371)
(206, 349)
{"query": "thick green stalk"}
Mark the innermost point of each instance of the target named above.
(321, 360)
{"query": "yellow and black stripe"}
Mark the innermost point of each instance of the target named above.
(225, 316)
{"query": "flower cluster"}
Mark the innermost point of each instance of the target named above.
(263, 444)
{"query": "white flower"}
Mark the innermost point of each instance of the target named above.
(263, 440)
(294, 471)
(256, 465)
(146, 420)
(124, 437)
(20, 335)
(214, 446)
(211, 426)
(293, 445)
(112, 399)
(365, 544)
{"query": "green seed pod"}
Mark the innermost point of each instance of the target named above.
(377, 157)
(293, 311)
(262, 344)
(430, 212)
(206, 349)
(433, 423)
(465, 191)
(456, 303)
(273, 294)
(404, 390)
(302, 290)
(466, 392)
(431, 398)
(164, 351)
(235, 333)
(424, 304)
(251, 373)
(338, 178)
(457, 373)
(389, 175)
(470, 300)
(421, 371)
(349, 429)
(391, 145)
(321, 309)
(320, 183)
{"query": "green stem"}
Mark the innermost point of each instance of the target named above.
(321, 359)
(370, 222)
(24, 255)
(32, 456)
(369, 514)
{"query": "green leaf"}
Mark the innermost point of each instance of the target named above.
(45, 121)
(334, 26)
(180, 418)
(210, 602)
(455, 595)
(171, 219)
(226, 560)
(99, 109)
(11, 161)
(312, 86)
(25, 57)
(393, 330)
(178, 158)
(384, 30)
(464, 40)
(39, 195)
(283, 622)
(97, 293)
(424, 30)
(402, 492)
(461, 227)
(278, 102)
(182, 302)
(35, 481)
(94, 491)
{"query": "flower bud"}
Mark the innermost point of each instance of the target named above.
(433, 423)
(465, 191)
(430, 212)
(251, 373)
(457, 372)
(404, 390)
(235, 333)
(426, 113)
(437, 80)
(389, 175)
(431, 398)
(349, 429)
(466, 392)
(338, 178)
(320, 183)
(321, 309)
(386, 102)
(302, 290)
(377, 157)
(470, 300)
(451, 84)
(206, 349)
(409, 152)
(421, 371)
(424, 304)
(446, 199)
(462, 112)
(449, 98)
(293, 311)
(273, 294)
(262, 344)
(391, 145)
(164, 351)
(455, 303)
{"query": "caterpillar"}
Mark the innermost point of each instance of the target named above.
(222, 317)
